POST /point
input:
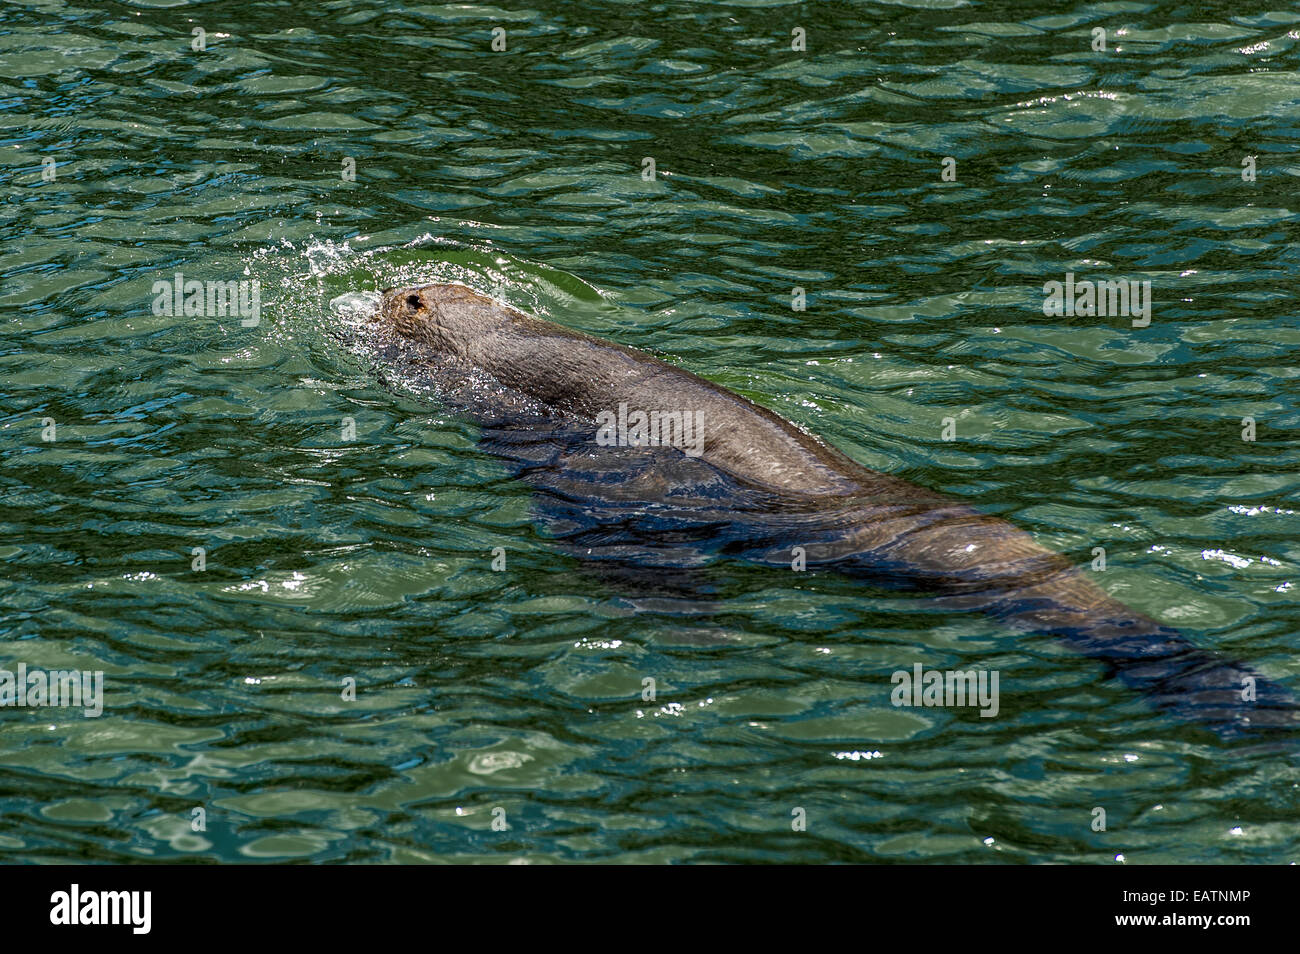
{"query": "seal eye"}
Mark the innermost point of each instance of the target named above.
(413, 302)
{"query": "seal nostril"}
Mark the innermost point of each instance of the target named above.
(413, 302)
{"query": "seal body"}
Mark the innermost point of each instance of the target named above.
(752, 485)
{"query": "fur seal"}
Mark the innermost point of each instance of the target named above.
(592, 423)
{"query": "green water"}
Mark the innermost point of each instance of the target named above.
(370, 559)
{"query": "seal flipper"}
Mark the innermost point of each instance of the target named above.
(637, 506)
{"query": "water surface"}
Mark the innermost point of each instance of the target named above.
(370, 558)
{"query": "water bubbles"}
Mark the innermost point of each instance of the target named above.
(324, 257)
(355, 305)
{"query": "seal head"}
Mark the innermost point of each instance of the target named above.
(449, 317)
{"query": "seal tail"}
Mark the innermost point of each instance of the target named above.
(978, 561)
(1193, 684)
